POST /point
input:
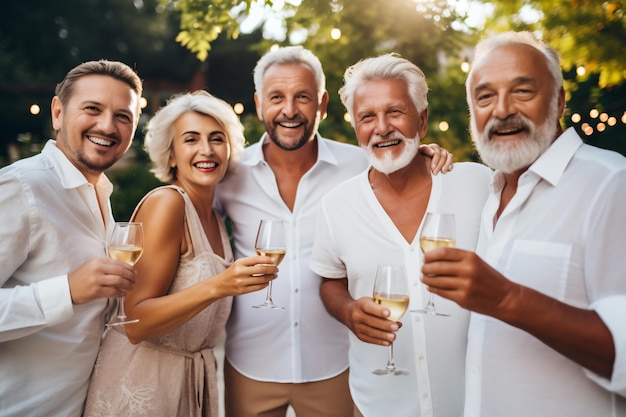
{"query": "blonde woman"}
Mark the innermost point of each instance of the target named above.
(164, 364)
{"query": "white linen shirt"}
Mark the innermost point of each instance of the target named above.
(51, 223)
(563, 234)
(303, 342)
(356, 235)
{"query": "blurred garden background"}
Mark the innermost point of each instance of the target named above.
(185, 45)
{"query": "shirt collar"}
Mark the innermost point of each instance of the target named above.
(70, 176)
(550, 165)
(255, 156)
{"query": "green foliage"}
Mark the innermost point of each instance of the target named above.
(202, 21)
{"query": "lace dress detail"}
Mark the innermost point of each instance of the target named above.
(173, 375)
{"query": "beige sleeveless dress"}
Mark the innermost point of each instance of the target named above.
(173, 375)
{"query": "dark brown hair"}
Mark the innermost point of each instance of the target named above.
(114, 69)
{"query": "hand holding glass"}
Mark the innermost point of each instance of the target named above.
(125, 244)
(270, 241)
(391, 290)
(438, 231)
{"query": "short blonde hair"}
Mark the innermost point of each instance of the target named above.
(160, 129)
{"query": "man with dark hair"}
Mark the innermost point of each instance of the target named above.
(55, 277)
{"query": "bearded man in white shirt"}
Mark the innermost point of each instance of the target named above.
(375, 218)
(547, 334)
(55, 276)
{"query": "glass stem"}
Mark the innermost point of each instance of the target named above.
(121, 313)
(390, 363)
(268, 297)
(431, 302)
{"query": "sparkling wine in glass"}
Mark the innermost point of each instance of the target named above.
(391, 290)
(439, 231)
(270, 241)
(125, 244)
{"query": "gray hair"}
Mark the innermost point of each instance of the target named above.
(389, 66)
(160, 129)
(515, 38)
(288, 56)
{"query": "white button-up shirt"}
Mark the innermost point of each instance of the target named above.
(564, 234)
(303, 342)
(356, 235)
(51, 223)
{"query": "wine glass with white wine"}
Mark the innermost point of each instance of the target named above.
(391, 290)
(125, 244)
(439, 231)
(270, 241)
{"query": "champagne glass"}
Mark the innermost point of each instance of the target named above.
(270, 241)
(125, 244)
(439, 231)
(391, 290)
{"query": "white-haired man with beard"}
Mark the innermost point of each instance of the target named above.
(547, 334)
(374, 218)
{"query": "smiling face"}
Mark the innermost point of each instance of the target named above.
(387, 123)
(96, 126)
(514, 109)
(200, 150)
(289, 106)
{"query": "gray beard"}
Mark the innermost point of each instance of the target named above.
(511, 156)
(388, 164)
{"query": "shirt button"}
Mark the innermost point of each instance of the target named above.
(421, 357)
(425, 395)
(416, 283)
(417, 319)
(295, 324)
(296, 290)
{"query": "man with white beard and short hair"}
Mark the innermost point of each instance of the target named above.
(547, 285)
(375, 218)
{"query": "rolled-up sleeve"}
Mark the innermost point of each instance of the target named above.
(612, 310)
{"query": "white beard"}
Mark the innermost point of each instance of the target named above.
(511, 155)
(388, 163)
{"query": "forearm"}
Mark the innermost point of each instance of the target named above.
(337, 299)
(576, 333)
(161, 315)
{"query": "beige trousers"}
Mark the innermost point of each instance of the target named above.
(245, 397)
